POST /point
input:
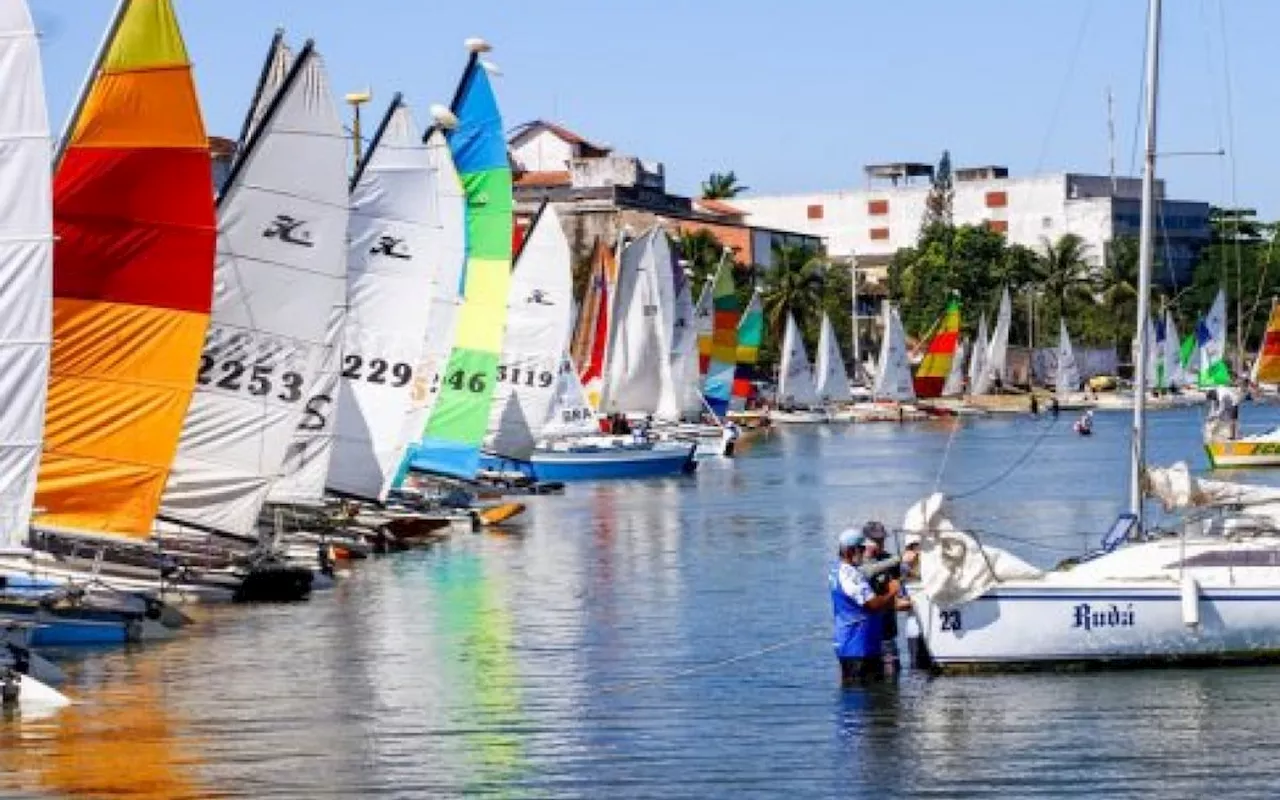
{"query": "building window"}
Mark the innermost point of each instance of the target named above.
(997, 199)
(998, 225)
(877, 208)
(879, 234)
(815, 211)
(1046, 222)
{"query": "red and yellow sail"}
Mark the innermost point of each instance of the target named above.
(1269, 356)
(932, 373)
(591, 338)
(133, 272)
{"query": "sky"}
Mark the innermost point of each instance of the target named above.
(794, 96)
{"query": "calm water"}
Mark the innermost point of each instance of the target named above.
(662, 639)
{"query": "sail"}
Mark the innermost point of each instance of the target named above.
(832, 382)
(570, 413)
(932, 373)
(978, 355)
(1157, 371)
(591, 336)
(394, 234)
(795, 378)
(538, 319)
(1067, 379)
(704, 316)
(1172, 362)
(954, 386)
(1211, 337)
(639, 380)
(281, 272)
(275, 68)
(994, 373)
(750, 337)
(718, 386)
(1267, 364)
(26, 267)
(893, 380)
(132, 279)
(460, 415)
(684, 347)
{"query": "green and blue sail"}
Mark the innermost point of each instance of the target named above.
(450, 442)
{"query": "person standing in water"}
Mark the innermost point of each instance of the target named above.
(857, 610)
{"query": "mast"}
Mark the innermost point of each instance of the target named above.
(1145, 246)
(89, 78)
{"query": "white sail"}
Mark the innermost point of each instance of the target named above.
(831, 381)
(995, 372)
(391, 265)
(26, 267)
(276, 68)
(1211, 335)
(1154, 356)
(639, 367)
(305, 468)
(570, 413)
(978, 355)
(954, 384)
(893, 380)
(684, 347)
(795, 376)
(280, 272)
(1173, 371)
(1067, 379)
(442, 296)
(539, 307)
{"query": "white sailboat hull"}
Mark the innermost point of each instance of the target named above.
(805, 417)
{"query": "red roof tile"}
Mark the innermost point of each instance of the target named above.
(544, 178)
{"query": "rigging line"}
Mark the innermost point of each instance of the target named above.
(1066, 85)
(1019, 461)
(714, 665)
(1138, 112)
(1231, 165)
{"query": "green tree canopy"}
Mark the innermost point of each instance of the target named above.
(722, 186)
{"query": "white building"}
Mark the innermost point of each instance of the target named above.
(873, 223)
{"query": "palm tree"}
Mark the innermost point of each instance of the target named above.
(1065, 271)
(793, 285)
(703, 252)
(1118, 288)
(722, 186)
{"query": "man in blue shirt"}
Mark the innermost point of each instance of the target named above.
(857, 610)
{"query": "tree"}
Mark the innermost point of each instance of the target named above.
(1240, 258)
(722, 186)
(702, 252)
(938, 205)
(1065, 273)
(793, 285)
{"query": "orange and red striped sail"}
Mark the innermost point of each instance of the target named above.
(591, 338)
(1268, 370)
(132, 280)
(932, 373)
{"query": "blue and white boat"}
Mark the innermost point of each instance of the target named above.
(599, 458)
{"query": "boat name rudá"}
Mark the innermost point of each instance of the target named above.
(1111, 616)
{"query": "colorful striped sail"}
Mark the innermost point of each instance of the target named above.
(456, 427)
(750, 336)
(704, 317)
(591, 337)
(1267, 366)
(931, 375)
(132, 282)
(26, 267)
(718, 388)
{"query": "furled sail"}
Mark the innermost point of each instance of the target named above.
(281, 271)
(932, 373)
(718, 387)
(954, 387)
(684, 346)
(570, 413)
(639, 379)
(538, 319)
(1267, 364)
(1067, 379)
(978, 356)
(832, 382)
(893, 380)
(750, 337)
(132, 278)
(26, 266)
(394, 260)
(459, 416)
(591, 337)
(795, 377)
(994, 373)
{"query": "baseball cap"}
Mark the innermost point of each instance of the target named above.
(851, 537)
(874, 530)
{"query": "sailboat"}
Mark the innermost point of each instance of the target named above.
(893, 390)
(993, 375)
(591, 338)
(280, 274)
(831, 382)
(797, 397)
(131, 281)
(1223, 442)
(718, 384)
(1142, 597)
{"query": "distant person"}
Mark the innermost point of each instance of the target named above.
(875, 551)
(1054, 408)
(1035, 405)
(916, 646)
(857, 611)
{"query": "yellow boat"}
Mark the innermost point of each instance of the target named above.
(1222, 440)
(1252, 451)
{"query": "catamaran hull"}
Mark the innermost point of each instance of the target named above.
(1227, 454)
(1040, 627)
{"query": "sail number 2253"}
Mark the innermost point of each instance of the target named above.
(259, 380)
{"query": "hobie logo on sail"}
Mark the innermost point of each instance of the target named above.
(289, 230)
(539, 297)
(1087, 618)
(391, 247)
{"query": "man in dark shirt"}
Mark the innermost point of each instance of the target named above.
(874, 532)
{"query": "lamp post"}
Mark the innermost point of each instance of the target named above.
(355, 100)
